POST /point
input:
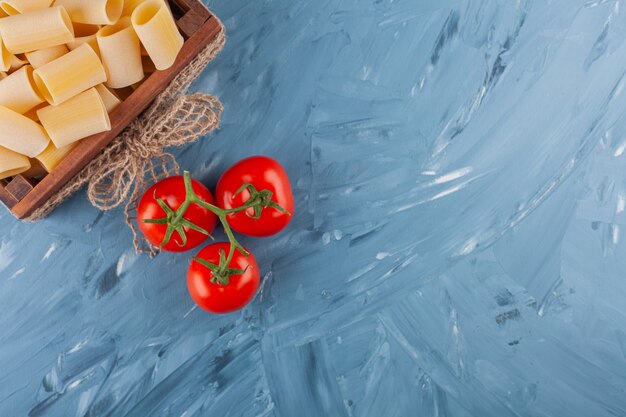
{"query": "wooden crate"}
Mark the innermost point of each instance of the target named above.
(23, 196)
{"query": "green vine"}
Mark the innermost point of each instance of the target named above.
(175, 221)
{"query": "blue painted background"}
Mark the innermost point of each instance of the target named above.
(459, 243)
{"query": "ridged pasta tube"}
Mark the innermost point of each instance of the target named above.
(12, 163)
(120, 53)
(158, 33)
(52, 156)
(95, 12)
(18, 91)
(12, 7)
(70, 74)
(41, 57)
(20, 134)
(77, 118)
(36, 30)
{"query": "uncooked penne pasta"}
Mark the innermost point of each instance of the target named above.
(18, 91)
(158, 33)
(11, 7)
(52, 156)
(84, 33)
(110, 100)
(20, 134)
(77, 118)
(36, 30)
(120, 53)
(70, 74)
(41, 57)
(12, 163)
(95, 12)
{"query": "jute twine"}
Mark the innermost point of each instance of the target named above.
(136, 158)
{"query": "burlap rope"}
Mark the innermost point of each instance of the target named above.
(136, 158)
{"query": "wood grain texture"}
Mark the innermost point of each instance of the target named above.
(190, 23)
(7, 198)
(132, 107)
(20, 187)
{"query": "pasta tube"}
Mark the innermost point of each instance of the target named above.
(18, 91)
(94, 12)
(110, 100)
(11, 7)
(77, 118)
(12, 163)
(52, 156)
(20, 134)
(120, 53)
(158, 33)
(69, 75)
(41, 57)
(36, 30)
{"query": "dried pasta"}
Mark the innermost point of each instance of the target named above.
(36, 30)
(95, 12)
(70, 74)
(77, 118)
(158, 33)
(109, 98)
(12, 163)
(18, 91)
(12, 7)
(52, 156)
(120, 53)
(20, 134)
(41, 57)
(65, 65)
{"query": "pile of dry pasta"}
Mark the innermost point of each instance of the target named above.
(65, 65)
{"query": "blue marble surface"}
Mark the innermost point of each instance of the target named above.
(459, 243)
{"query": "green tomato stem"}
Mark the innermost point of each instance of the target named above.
(176, 222)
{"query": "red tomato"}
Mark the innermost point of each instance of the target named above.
(172, 191)
(264, 174)
(215, 297)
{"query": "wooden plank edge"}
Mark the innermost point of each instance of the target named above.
(76, 160)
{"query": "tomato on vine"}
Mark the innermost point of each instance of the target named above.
(219, 286)
(167, 218)
(261, 186)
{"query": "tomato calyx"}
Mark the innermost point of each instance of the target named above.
(221, 272)
(258, 200)
(174, 219)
